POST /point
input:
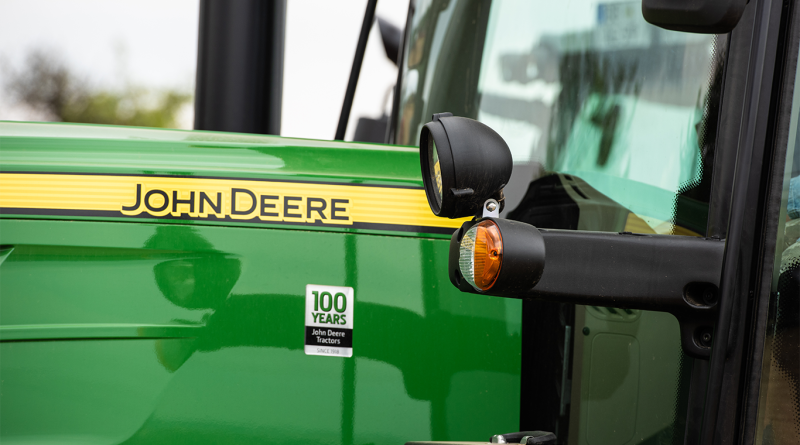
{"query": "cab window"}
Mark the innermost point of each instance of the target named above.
(612, 127)
(779, 401)
(611, 121)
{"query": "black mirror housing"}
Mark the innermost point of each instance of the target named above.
(698, 16)
(474, 164)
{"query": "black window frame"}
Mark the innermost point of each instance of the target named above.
(780, 44)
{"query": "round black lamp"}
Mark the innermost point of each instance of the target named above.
(464, 163)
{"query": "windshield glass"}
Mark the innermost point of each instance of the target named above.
(612, 125)
(610, 120)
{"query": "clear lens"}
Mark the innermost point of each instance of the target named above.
(435, 170)
(481, 255)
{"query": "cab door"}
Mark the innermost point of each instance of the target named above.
(619, 126)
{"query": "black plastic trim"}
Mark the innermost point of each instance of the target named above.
(742, 256)
(361, 47)
(391, 130)
(651, 272)
(666, 273)
(731, 110)
(757, 324)
(698, 16)
(436, 131)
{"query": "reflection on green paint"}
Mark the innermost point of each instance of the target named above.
(429, 362)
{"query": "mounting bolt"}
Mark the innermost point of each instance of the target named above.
(709, 297)
(586, 330)
(491, 208)
(705, 337)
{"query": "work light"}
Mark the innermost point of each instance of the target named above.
(464, 163)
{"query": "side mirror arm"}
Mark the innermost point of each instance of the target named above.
(675, 274)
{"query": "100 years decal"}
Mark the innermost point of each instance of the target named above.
(329, 320)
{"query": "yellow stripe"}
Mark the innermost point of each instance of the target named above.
(380, 205)
(636, 224)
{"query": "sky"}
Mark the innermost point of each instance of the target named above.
(321, 38)
(153, 43)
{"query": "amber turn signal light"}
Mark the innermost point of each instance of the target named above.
(481, 255)
(496, 256)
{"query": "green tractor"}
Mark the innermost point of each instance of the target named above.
(577, 226)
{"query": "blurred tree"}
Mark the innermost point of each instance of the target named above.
(47, 85)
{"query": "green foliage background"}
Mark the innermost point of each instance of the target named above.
(46, 84)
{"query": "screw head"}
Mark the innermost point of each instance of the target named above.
(585, 330)
(491, 206)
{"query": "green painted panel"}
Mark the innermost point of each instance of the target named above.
(95, 392)
(171, 333)
(58, 147)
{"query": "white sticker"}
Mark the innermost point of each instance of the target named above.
(329, 320)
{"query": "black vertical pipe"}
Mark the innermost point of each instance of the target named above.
(369, 17)
(240, 66)
(391, 130)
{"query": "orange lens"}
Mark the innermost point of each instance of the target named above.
(481, 255)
